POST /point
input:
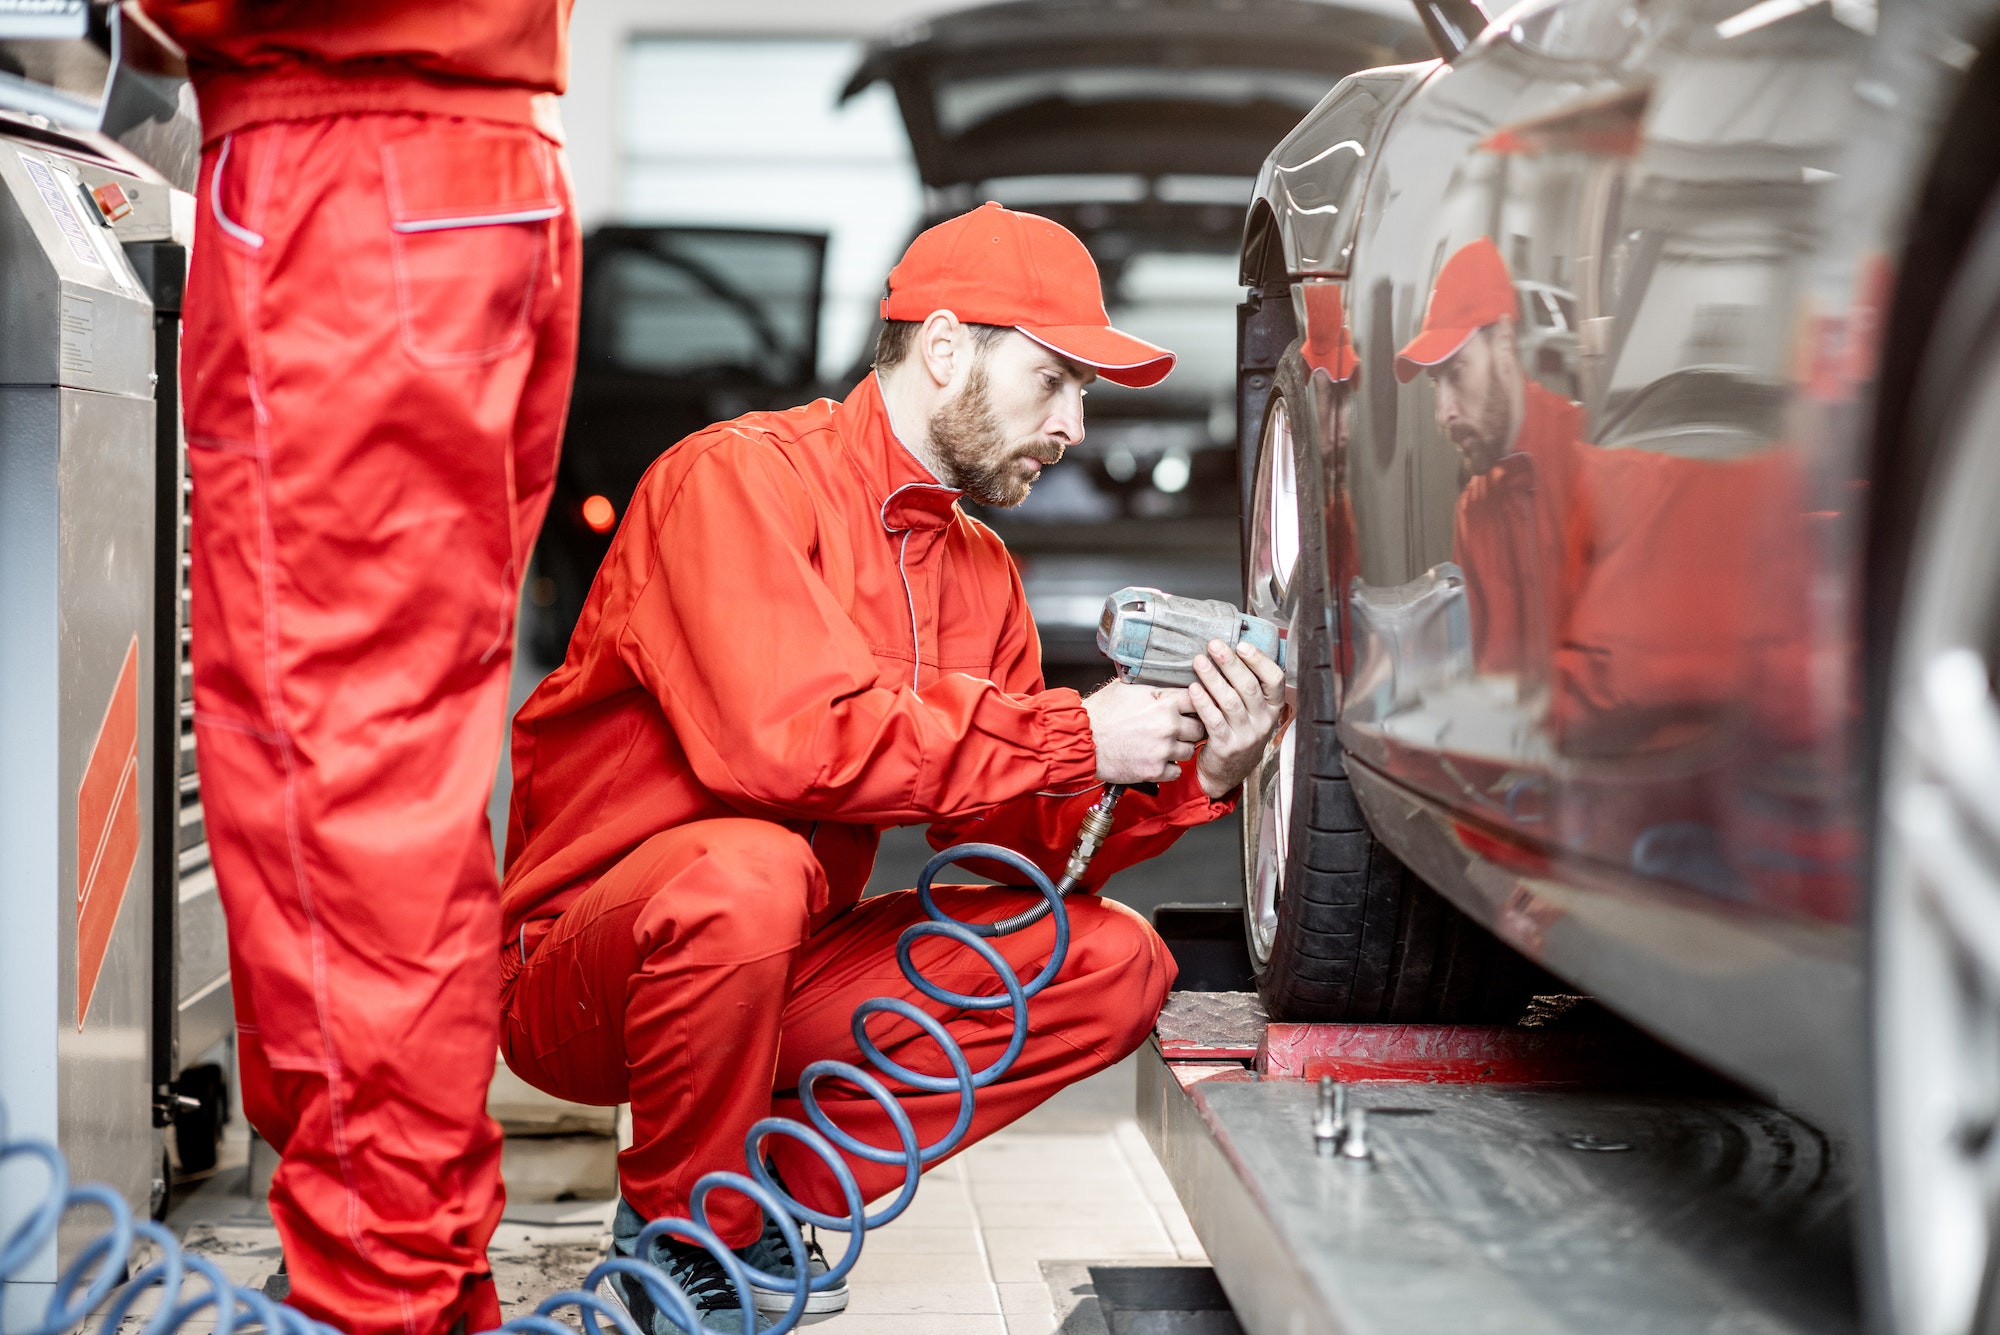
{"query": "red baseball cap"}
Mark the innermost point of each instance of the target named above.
(996, 266)
(1472, 291)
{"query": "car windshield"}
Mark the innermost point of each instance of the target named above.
(706, 303)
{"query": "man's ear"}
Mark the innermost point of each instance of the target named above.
(942, 346)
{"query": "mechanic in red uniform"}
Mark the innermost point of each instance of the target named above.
(1520, 446)
(798, 640)
(380, 330)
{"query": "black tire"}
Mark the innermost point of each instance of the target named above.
(198, 1130)
(1358, 938)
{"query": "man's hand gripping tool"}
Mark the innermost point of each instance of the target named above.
(1153, 639)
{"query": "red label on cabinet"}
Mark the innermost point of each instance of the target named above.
(107, 828)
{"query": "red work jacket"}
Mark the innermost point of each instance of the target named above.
(259, 60)
(1510, 539)
(797, 623)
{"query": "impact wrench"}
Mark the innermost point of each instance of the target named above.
(1153, 639)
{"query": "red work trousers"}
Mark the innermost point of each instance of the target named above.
(380, 335)
(687, 981)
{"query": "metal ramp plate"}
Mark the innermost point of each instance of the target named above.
(1491, 1208)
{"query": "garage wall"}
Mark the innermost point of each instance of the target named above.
(600, 31)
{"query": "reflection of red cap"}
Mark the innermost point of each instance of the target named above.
(1472, 291)
(1329, 347)
(996, 266)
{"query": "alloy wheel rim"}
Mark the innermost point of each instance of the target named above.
(1273, 594)
(1937, 924)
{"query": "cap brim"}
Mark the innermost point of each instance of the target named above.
(1428, 349)
(1118, 357)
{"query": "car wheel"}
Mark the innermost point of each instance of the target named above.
(1935, 939)
(1338, 928)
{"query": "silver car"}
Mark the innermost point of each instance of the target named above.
(1659, 647)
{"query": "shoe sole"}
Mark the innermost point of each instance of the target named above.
(609, 1292)
(776, 1302)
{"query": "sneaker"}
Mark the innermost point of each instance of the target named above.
(773, 1256)
(699, 1275)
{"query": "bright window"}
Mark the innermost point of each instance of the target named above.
(747, 132)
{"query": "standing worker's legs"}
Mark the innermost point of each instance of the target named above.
(685, 981)
(375, 394)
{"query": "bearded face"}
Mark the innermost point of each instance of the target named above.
(977, 455)
(1477, 391)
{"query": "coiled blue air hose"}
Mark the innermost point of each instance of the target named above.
(97, 1270)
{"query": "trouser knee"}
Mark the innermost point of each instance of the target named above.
(743, 890)
(1130, 965)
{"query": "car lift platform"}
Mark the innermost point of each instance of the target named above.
(1606, 1188)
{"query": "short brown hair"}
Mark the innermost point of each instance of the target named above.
(893, 344)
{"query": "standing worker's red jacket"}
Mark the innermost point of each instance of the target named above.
(796, 622)
(259, 60)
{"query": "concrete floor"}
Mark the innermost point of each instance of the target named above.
(999, 1241)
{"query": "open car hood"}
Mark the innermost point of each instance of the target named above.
(1174, 89)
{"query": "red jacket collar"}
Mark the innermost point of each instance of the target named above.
(907, 495)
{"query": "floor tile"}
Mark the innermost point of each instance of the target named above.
(874, 1297)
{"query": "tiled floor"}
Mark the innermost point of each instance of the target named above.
(990, 1246)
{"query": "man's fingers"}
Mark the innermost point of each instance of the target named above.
(1223, 686)
(1188, 727)
(1269, 674)
(1183, 751)
(1169, 774)
(1240, 676)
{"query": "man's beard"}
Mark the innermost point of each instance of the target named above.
(1482, 443)
(972, 451)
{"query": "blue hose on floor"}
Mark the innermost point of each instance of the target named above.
(97, 1270)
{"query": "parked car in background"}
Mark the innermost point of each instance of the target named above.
(681, 327)
(1626, 390)
(1140, 127)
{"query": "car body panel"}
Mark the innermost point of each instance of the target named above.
(1636, 757)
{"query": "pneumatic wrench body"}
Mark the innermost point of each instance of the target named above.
(1153, 639)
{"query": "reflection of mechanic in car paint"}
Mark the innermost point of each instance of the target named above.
(1616, 579)
(1520, 444)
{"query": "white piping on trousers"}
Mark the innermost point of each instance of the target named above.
(228, 225)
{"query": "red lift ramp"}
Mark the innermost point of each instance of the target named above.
(1605, 1189)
